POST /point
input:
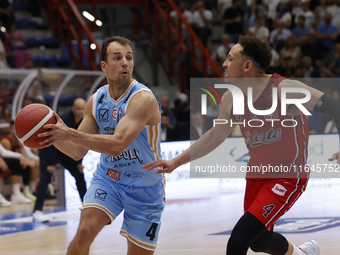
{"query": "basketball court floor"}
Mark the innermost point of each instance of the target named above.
(190, 226)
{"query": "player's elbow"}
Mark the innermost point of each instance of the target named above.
(77, 157)
(117, 150)
(78, 154)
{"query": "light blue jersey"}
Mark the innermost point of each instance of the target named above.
(119, 182)
(126, 168)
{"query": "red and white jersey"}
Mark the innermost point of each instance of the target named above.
(273, 144)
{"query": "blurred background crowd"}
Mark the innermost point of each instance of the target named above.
(303, 34)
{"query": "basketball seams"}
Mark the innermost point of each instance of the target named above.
(23, 118)
(39, 125)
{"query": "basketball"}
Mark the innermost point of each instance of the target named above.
(30, 122)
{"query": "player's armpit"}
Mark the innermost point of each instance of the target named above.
(142, 110)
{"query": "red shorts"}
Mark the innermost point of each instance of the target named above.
(269, 199)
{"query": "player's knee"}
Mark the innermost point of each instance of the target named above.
(84, 234)
(258, 247)
(236, 245)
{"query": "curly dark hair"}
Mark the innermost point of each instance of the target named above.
(119, 39)
(259, 51)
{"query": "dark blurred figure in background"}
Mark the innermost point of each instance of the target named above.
(50, 156)
(6, 13)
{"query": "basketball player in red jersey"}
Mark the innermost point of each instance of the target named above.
(267, 197)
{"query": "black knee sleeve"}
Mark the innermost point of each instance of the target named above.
(270, 242)
(245, 232)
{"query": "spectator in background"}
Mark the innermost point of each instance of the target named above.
(308, 71)
(50, 156)
(301, 30)
(290, 56)
(213, 54)
(313, 48)
(196, 126)
(17, 44)
(181, 110)
(202, 22)
(291, 50)
(168, 130)
(35, 90)
(251, 13)
(319, 13)
(3, 56)
(306, 12)
(295, 8)
(333, 62)
(166, 111)
(222, 5)
(330, 126)
(259, 30)
(335, 11)
(223, 49)
(270, 6)
(188, 17)
(327, 33)
(6, 13)
(20, 166)
(283, 14)
(3, 169)
(233, 19)
(279, 35)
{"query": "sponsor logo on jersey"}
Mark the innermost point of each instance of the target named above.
(279, 189)
(108, 130)
(103, 115)
(155, 207)
(114, 114)
(152, 217)
(133, 174)
(120, 113)
(127, 155)
(113, 174)
(100, 194)
(270, 136)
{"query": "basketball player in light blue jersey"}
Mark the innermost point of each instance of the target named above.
(127, 116)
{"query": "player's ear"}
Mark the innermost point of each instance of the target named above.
(248, 65)
(103, 65)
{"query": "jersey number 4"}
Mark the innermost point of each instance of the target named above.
(268, 209)
(152, 231)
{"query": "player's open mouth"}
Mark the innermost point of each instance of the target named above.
(125, 73)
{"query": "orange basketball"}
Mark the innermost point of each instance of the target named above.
(29, 123)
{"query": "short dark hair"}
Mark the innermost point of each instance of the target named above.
(256, 49)
(119, 39)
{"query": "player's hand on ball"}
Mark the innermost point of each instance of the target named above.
(55, 132)
(165, 165)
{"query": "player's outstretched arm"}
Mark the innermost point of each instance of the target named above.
(205, 144)
(319, 102)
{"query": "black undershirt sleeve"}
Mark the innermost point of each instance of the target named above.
(331, 106)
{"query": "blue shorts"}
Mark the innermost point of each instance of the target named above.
(143, 207)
